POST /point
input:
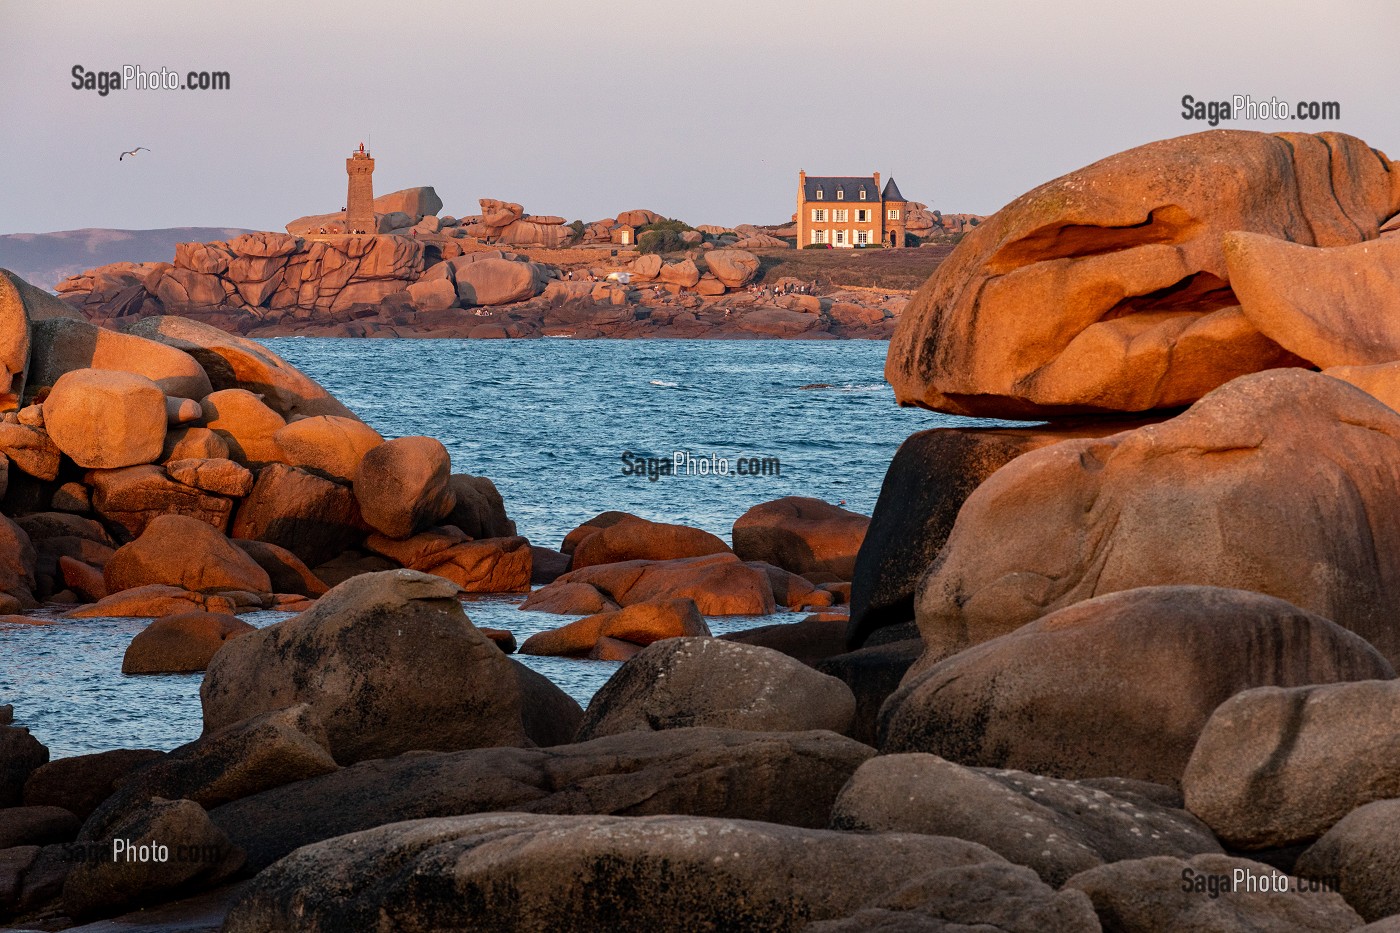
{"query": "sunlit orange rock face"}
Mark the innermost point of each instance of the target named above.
(1107, 289)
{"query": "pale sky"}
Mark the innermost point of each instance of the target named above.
(703, 111)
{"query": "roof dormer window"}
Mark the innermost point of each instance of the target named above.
(819, 194)
(862, 194)
(840, 194)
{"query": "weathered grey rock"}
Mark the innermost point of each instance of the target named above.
(35, 826)
(198, 856)
(80, 783)
(1359, 858)
(790, 778)
(1058, 828)
(503, 872)
(247, 757)
(683, 682)
(1096, 689)
(480, 511)
(20, 755)
(1163, 894)
(873, 673)
(390, 663)
(1276, 767)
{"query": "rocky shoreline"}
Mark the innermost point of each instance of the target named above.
(519, 277)
(1129, 669)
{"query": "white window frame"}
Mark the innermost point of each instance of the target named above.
(894, 213)
(840, 238)
(840, 217)
(840, 194)
(818, 236)
(818, 215)
(862, 194)
(863, 217)
(862, 237)
(819, 194)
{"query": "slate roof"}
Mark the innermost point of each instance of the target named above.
(891, 192)
(850, 185)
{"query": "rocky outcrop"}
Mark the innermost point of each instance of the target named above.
(719, 584)
(1092, 690)
(1108, 289)
(106, 419)
(789, 778)
(181, 644)
(103, 886)
(1331, 307)
(927, 482)
(1360, 860)
(646, 873)
(398, 667)
(635, 538)
(684, 682)
(402, 486)
(1276, 767)
(1248, 476)
(1167, 893)
(801, 535)
(1058, 828)
(81, 783)
(245, 758)
(637, 626)
(176, 550)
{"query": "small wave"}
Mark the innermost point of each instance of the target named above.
(848, 387)
(664, 384)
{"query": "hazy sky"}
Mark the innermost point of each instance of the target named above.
(703, 111)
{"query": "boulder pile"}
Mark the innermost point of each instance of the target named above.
(1131, 673)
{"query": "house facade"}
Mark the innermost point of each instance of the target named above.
(845, 211)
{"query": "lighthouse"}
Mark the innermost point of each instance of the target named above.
(359, 199)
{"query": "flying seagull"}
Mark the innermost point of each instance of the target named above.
(132, 152)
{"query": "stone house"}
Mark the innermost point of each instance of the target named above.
(849, 211)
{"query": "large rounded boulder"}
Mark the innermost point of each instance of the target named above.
(105, 419)
(1117, 686)
(177, 550)
(1108, 289)
(391, 664)
(734, 268)
(802, 535)
(506, 872)
(327, 444)
(403, 486)
(639, 539)
(683, 682)
(181, 644)
(1285, 483)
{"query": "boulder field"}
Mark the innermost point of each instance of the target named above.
(501, 273)
(1130, 669)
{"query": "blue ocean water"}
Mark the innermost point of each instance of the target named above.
(548, 421)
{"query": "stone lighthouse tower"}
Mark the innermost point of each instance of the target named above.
(359, 200)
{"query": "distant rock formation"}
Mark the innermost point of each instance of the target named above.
(44, 259)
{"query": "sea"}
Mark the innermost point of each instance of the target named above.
(687, 431)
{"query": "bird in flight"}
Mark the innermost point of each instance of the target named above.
(132, 152)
